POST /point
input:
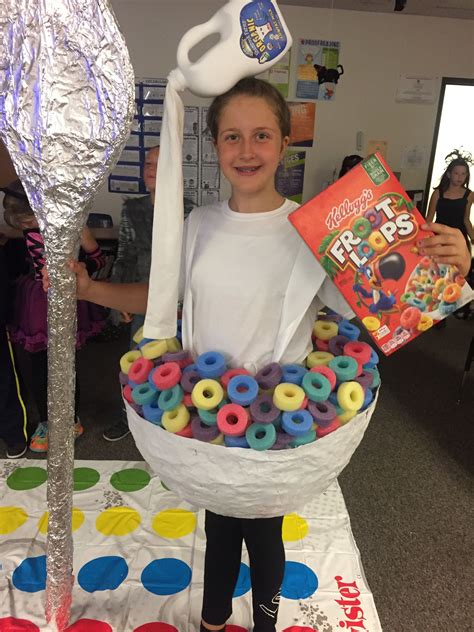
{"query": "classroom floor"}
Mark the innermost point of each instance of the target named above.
(408, 488)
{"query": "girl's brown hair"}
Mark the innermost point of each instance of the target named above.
(16, 205)
(250, 87)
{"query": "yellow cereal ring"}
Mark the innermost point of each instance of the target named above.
(346, 416)
(176, 419)
(439, 284)
(128, 359)
(371, 323)
(377, 241)
(425, 322)
(219, 440)
(350, 396)
(325, 329)
(154, 349)
(138, 336)
(207, 394)
(173, 345)
(288, 397)
(318, 358)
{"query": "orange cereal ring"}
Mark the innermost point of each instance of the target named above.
(425, 322)
(371, 323)
(377, 241)
(451, 293)
(410, 318)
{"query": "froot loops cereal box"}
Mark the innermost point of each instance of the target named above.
(364, 229)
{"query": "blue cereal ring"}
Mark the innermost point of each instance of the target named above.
(293, 373)
(211, 365)
(242, 390)
(368, 399)
(297, 423)
(144, 394)
(364, 250)
(171, 398)
(261, 436)
(345, 368)
(236, 442)
(153, 413)
(417, 302)
(309, 437)
(349, 330)
(316, 386)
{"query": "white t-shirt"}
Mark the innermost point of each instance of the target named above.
(241, 269)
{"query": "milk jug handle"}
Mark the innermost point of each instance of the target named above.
(193, 37)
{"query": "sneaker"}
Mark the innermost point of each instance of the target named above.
(39, 440)
(116, 432)
(17, 450)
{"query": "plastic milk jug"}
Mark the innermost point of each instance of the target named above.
(253, 35)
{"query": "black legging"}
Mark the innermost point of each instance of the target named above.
(39, 368)
(263, 538)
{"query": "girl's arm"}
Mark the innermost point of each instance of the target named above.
(126, 297)
(446, 246)
(93, 256)
(432, 206)
(467, 217)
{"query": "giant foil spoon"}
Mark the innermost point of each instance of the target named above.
(66, 106)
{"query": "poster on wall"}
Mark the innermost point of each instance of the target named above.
(303, 116)
(377, 145)
(279, 74)
(318, 69)
(289, 179)
(416, 89)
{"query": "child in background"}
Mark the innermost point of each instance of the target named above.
(28, 324)
(349, 163)
(241, 257)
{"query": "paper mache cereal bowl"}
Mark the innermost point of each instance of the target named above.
(251, 446)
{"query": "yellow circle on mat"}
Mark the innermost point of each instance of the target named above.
(174, 523)
(118, 521)
(11, 518)
(77, 520)
(294, 528)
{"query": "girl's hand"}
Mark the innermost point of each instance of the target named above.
(126, 317)
(446, 246)
(83, 279)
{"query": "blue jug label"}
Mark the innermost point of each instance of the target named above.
(263, 36)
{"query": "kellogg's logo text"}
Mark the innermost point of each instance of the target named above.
(353, 613)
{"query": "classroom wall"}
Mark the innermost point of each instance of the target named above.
(375, 49)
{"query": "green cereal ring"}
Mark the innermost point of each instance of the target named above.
(362, 227)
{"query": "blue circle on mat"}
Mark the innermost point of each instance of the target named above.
(166, 576)
(103, 573)
(243, 583)
(299, 581)
(30, 575)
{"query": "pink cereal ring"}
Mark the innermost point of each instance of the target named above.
(410, 317)
(187, 432)
(188, 401)
(225, 378)
(127, 393)
(321, 345)
(327, 372)
(425, 262)
(323, 431)
(139, 370)
(166, 375)
(358, 350)
(232, 420)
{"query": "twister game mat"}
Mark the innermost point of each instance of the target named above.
(139, 554)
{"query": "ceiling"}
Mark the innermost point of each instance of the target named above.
(461, 9)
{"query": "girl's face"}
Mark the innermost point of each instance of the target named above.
(26, 222)
(250, 145)
(457, 176)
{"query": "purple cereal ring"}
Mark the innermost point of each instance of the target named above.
(269, 376)
(180, 357)
(188, 380)
(336, 345)
(137, 408)
(263, 410)
(365, 379)
(282, 441)
(123, 378)
(203, 432)
(322, 412)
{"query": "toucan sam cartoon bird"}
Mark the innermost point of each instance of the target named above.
(389, 267)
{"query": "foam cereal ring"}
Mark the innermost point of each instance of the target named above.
(410, 318)
(425, 322)
(219, 440)
(207, 394)
(172, 345)
(154, 349)
(350, 396)
(361, 227)
(452, 293)
(325, 329)
(232, 420)
(377, 241)
(288, 397)
(371, 323)
(318, 358)
(347, 416)
(138, 335)
(176, 419)
(128, 359)
(139, 370)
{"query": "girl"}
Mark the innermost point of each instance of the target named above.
(252, 290)
(28, 326)
(452, 199)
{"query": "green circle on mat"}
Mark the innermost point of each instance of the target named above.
(27, 478)
(84, 478)
(131, 480)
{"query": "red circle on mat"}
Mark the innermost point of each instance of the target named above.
(89, 625)
(156, 627)
(11, 624)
